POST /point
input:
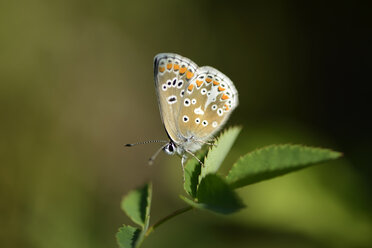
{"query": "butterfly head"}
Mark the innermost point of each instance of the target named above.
(170, 148)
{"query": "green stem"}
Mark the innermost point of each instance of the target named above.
(168, 217)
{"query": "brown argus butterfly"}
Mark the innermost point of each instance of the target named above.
(194, 102)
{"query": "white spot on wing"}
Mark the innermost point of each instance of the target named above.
(199, 111)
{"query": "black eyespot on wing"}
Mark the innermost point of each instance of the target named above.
(174, 82)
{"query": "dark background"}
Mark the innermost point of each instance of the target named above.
(76, 83)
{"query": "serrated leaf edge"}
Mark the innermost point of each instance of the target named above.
(226, 130)
(277, 146)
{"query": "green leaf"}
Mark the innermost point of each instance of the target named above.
(127, 236)
(192, 172)
(275, 160)
(193, 203)
(136, 204)
(214, 194)
(218, 151)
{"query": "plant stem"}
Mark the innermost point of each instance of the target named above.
(168, 217)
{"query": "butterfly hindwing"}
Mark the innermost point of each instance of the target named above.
(208, 101)
(172, 74)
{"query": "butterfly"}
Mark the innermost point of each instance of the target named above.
(194, 103)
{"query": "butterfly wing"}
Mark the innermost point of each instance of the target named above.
(172, 74)
(209, 99)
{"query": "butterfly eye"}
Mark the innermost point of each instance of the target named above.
(170, 148)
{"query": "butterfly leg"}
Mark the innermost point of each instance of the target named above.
(206, 143)
(192, 154)
(183, 160)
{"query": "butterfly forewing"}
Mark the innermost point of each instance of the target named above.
(209, 99)
(172, 75)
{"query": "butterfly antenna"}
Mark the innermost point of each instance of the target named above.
(147, 142)
(153, 157)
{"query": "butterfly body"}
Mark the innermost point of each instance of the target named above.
(194, 102)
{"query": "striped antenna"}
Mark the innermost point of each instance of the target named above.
(147, 142)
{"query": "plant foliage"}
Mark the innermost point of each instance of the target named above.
(207, 190)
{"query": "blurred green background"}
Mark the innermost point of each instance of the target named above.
(76, 84)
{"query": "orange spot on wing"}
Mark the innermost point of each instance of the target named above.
(161, 69)
(216, 83)
(191, 86)
(199, 83)
(169, 66)
(220, 88)
(208, 80)
(189, 74)
(176, 67)
(183, 70)
(224, 97)
(226, 107)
